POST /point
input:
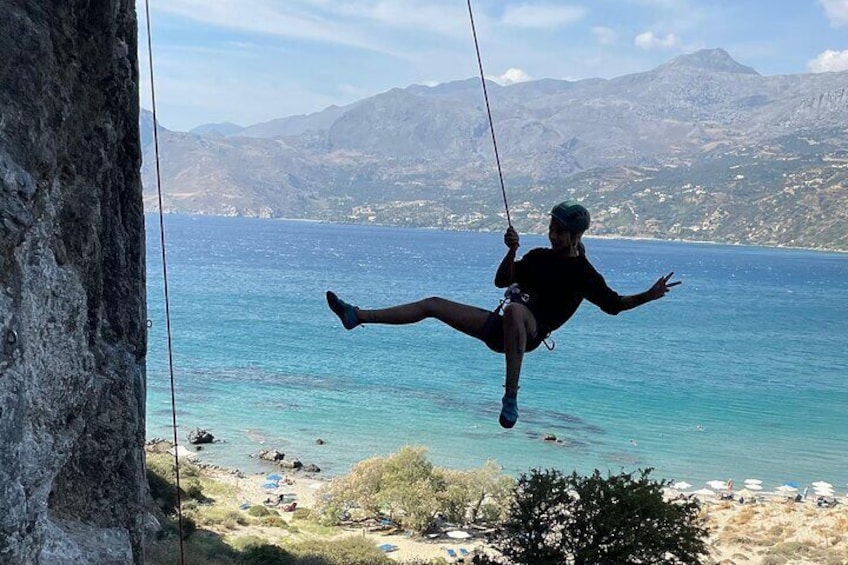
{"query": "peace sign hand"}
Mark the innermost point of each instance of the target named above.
(662, 286)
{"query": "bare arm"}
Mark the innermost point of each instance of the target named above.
(505, 274)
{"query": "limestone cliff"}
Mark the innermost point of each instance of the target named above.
(72, 284)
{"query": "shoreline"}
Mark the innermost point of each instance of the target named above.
(767, 528)
(588, 236)
(228, 455)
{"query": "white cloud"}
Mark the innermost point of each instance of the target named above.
(548, 16)
(648, 40)
(604, 35)
(829, 61)
(444, 18)
(355, 23)
(837, 11)
(263, 17)
(512, 76)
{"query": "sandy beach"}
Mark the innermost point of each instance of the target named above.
(767, 529)
(303, 489)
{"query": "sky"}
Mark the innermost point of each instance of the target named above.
(251, 61)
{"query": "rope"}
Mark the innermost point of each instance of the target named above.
(489, 112)
(165, 284)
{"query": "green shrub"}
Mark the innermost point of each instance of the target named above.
(258, 510)
(266, 555)
(353, 550)
(301, 514)
(408, 489)
(229, 519)
(557, 519)
(275, 521)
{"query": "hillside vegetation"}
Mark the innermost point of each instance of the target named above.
(700, 148)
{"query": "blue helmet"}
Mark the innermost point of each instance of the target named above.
(573, 216)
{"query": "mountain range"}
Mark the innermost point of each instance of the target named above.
(699, 148)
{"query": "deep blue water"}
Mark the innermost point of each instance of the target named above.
(741, 371)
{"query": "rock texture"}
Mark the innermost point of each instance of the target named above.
(72, 285)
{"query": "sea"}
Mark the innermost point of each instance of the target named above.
(739, 372)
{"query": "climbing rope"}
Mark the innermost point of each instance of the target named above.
(489, 111)
(165, 283)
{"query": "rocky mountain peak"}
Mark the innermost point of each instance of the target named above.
(716, 60)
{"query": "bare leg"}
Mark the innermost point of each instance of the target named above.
(467, 319)
(518, 323)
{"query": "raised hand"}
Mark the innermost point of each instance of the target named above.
(662, 286)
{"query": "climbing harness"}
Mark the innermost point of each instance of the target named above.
(514, 294)
(165, 284)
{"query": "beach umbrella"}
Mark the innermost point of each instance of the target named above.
(704, 492)
(458, 534)
(271, 485)
(753, 486)
(822, 484)
(753, 482)
(786, 489)
(274, 477)
(745, 493)
(718, 485)
(681, 485)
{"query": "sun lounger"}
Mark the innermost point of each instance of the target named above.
(388, 547)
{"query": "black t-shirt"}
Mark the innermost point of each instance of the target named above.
(557, 284)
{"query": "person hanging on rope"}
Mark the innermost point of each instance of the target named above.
(544, 289)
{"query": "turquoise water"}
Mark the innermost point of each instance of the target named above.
(740, 372)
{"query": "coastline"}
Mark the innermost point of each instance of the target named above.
(770, 529)
(588, 236)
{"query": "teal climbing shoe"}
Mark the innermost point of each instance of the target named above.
(345, 312)
(509, 411)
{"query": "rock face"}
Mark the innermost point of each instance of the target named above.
(72, 285)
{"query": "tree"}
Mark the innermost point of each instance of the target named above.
(410, 488)
(405, 487)
(556, 519)
(477, 495)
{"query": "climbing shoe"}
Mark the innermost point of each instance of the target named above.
(345, 312)
(509, 411)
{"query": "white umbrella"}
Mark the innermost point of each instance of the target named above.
(745, 493)
(786, 490)
(681, 485)
(718, 485)
(822, 484)
(704, 492)
(823, 491)
(458, 534)
(753, 486)
(753, 482)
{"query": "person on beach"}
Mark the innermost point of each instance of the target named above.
(545, 288)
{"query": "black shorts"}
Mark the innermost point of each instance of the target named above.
(492, 334)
